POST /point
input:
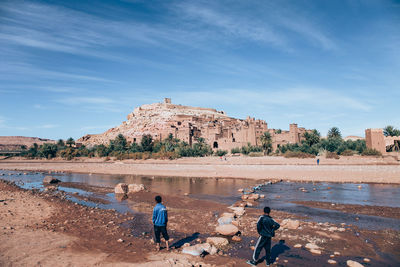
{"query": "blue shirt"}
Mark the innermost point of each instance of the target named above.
(160, 215)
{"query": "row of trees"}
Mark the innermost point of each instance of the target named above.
(391, 131)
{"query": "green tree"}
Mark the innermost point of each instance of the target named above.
(119, 143)
(60, 143)
(312, 138)
(147, 143)
(48, 150)
(101, 151)
(334, 132)
(70, 141)
(266, 142)
(391, 131)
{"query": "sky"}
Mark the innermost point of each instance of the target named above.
(70, 68)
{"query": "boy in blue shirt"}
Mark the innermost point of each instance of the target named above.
(160, 220)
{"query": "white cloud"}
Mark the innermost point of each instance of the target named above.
(47, 126)
(85, 100)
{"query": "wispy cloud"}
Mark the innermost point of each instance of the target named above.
(85, 100)
(47, 126)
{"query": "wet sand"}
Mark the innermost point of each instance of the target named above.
(44, 228)
(346, 169)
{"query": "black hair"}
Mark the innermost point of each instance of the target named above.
(267, 210)
(158, 199)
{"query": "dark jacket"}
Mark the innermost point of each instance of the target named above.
(266, 226)
(160, 215)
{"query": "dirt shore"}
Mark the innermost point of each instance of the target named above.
(46, 229)
(346, 169)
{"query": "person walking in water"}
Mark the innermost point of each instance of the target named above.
(266, 227)
(160, 220)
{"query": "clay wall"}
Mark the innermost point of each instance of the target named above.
(374, 138)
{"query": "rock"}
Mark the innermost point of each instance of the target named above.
(297, 246)
(336, 253)
(186, 245)
(198, 249)
(290, 224)
(225, 220)
(245, 197)
(341, 229)
(351, 263)
(332, 262)
(134, 188)
(50, 180)
(218, 242)
(213, 250)
(240, 190)
(312, 246)
(252, 247)
(253, 196)
(333, 228)
(366, 260)
(262, 196)
(227, 229)
(316, 251)
(228, 214)
(121, 188)
(120, 240)
(235, 223)
(236, 238)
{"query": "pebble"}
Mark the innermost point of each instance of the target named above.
(332, 262)
(366, 260)
(297, 246)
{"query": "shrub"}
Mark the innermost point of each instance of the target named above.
(347, 152)
(298, 154)
(221, 153)
(235, 150)
(256, 154)
(146, 155)
(371, 152)
(332, 155)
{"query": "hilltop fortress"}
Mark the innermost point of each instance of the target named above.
(190, 123)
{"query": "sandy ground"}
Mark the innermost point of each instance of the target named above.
(346, 169)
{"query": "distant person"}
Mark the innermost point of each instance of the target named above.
(317, 161)
(160, 220)
(266, 227)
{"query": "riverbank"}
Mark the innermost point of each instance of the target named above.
(346, 169)
(44, 228)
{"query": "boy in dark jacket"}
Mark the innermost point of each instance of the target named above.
(160, 220)
(266, 227)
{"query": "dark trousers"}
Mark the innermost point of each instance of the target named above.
(158, 230)
(263, 242)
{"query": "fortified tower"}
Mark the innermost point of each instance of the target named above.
(374, 139)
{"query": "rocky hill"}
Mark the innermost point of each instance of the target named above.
(153, 119)
(11, 142)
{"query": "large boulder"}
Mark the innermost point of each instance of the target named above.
(351, 263)
(121, 188)
(227, 229)
(290, 224)
(50, 180)
(218, 242)
(134, 188)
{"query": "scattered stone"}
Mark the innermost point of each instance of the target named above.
(236, 238)
(252, 247)
(297, 246)
(366, 260)
(134, 188)
(121, 188)
(333, 228)
(332, 262)
(218, 242)
(336, 253)
(341, 229)
(312, 246)
(316, 251)
(240, 190)
(225, 220)
(290, 224)
(186, 194)
(50, 180)
(120, 240)
(235, 223)
(253, 196)
(198, 249)
(351, 263)
(227, 229)
(262, 196)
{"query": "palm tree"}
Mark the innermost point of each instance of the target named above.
(266, 142)
(70, 141)
(334, 132)
(391, 131)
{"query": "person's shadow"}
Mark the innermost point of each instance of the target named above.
(278, 249)
(188, 239)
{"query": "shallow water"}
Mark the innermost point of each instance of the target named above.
(278, 196)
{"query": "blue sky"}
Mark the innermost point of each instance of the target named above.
(68, 68)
